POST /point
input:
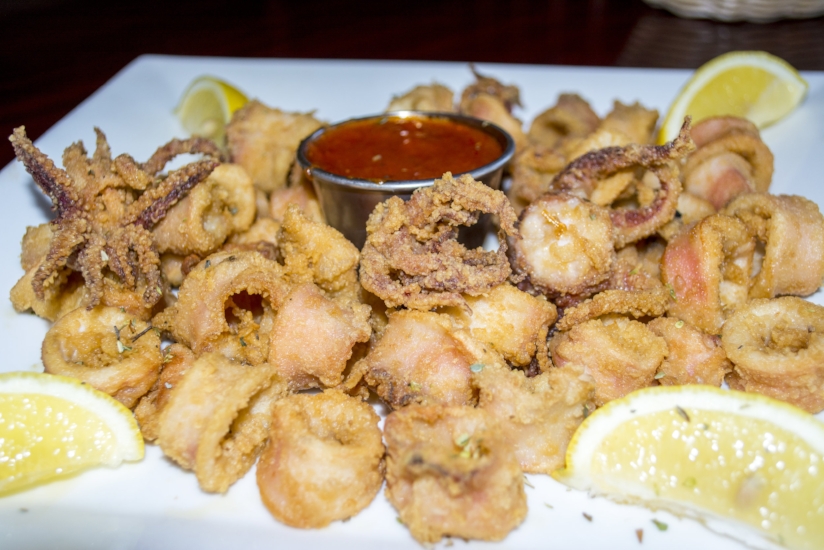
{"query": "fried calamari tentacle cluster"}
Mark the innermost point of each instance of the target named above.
(582, 176)
(411, 256)
(105, 208)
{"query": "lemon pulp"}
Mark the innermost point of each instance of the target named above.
(53, 426)
(749, 470)
(63, 440)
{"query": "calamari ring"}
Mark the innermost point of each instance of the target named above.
(732, 159)
(219, 206)
(777, 349)
(792, 230)
(570, 117)
(707, 270)
(582, 175)
(324, 460)
(621, 355)
(449, 472)
(107, 348)
(177, 359)
(411, 257)
(228, 303)
(217, 419)
(694, 357)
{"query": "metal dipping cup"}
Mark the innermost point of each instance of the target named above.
(348, 202)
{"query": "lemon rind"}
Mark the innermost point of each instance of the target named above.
(711, 69)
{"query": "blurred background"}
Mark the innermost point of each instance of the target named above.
(56, 53)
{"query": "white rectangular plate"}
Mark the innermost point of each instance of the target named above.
(154, 504)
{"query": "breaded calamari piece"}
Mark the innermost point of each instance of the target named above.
(324, 460)
(538, 414)
(264, 140)
(450, 472)
(312, 338)
(411, 256)
(620, 354)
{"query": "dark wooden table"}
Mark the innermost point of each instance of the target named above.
(57, 52)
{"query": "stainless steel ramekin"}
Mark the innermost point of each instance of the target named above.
(347, 202)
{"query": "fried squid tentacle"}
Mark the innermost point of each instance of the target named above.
(411, 256)
(104, 209)
(581, 177)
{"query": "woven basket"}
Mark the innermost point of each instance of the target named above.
(759, 11)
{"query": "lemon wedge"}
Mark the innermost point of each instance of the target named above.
(53, 426)
(707, 453)
(754, 85)
(207, 106)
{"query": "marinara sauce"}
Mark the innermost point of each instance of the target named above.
(402, 148)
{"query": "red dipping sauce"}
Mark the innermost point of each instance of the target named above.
(396, 148)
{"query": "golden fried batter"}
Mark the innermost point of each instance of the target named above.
(635, 121)
(620, 354)
(707, 270)
(731, 159)
(411, 257)
(108, 349)
(104, 210)
(564, 245)
(228, 304)
(177, 359)
(315, 252)
(571, 117)
(791, 229)
(264, 141)
(449, 472)
(324, 459)
(582, 176)
(513, 322)
(434, 98)
(538, 414)
(312, 338)
(419, 359)
(694, 357)
(217, 419)
(216, 208)
(777, 349)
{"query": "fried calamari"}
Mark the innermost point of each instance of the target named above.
(538, 414)
(411, 256)
(449, 472)
(324, 459)
(264, 140)
(583, 175)
(106, 348)
(217, 419)
(104, 210)
(777, 349)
